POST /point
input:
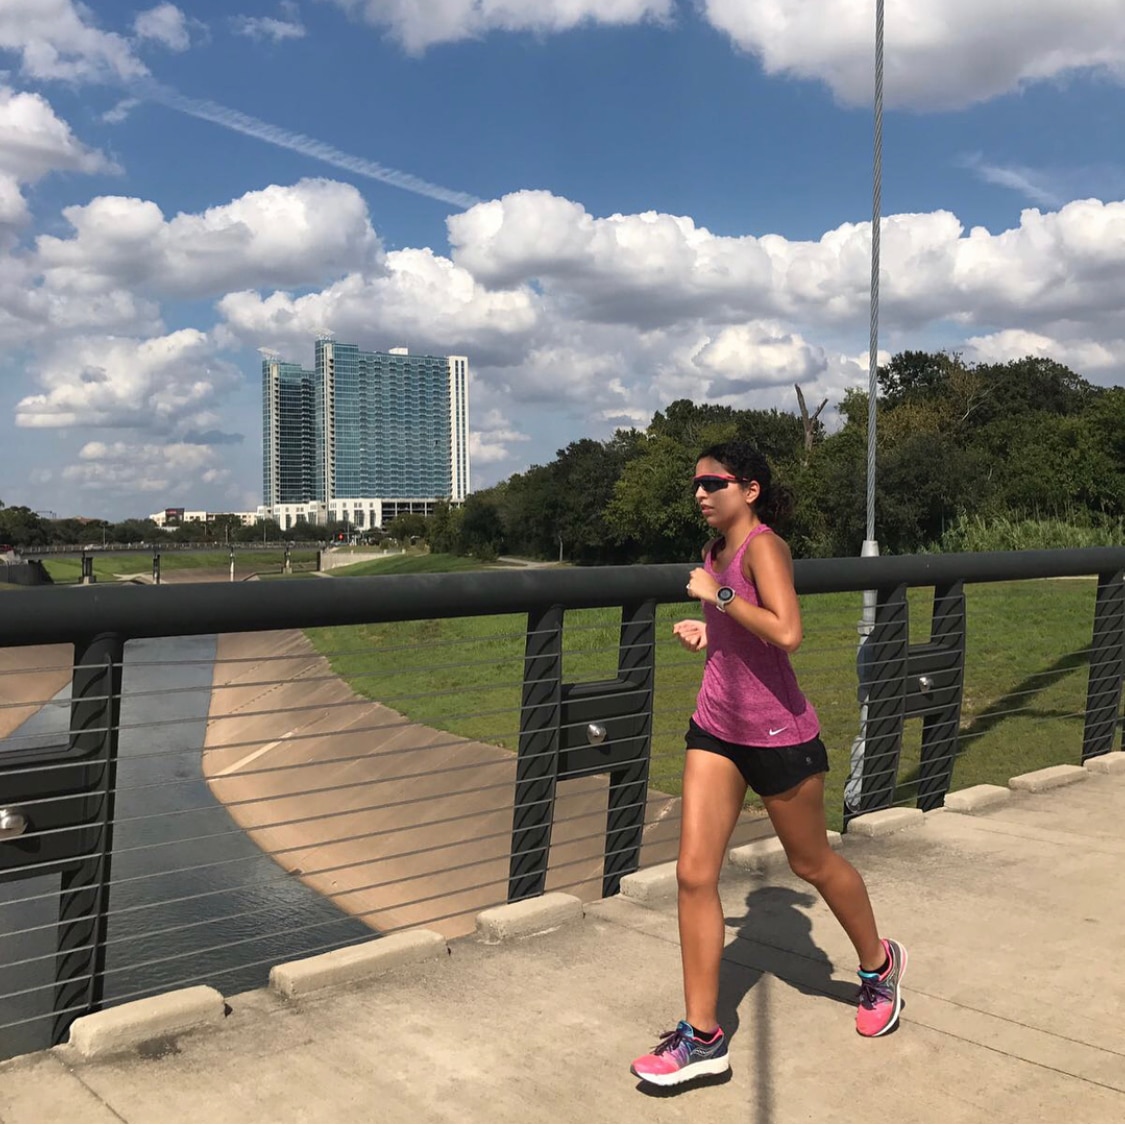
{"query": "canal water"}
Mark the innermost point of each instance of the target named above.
(194, 901)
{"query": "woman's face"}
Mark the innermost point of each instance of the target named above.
(722, 505)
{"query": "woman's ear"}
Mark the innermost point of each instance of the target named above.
(752, 492)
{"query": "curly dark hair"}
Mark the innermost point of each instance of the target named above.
(775, 500)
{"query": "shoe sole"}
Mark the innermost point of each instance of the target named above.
(699, 1069)
(898, 997)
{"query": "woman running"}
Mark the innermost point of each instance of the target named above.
(753, 727)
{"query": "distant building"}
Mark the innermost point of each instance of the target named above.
(289, 426)
(364, 436)
(177, 517)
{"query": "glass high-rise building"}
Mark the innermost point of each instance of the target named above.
(289, 412)
(388, 432)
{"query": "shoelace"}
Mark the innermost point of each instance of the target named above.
(669, 1041)
(872, 991)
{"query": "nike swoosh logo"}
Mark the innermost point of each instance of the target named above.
(778, 731)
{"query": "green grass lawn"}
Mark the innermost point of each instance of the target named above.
(1025, 678)
(107, 565)
(413, 564)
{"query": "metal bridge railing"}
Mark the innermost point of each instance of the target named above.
(198, 782)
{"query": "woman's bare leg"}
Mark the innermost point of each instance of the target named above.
(714, 792)
(798, 819)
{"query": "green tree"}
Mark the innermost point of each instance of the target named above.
(444, 529)
(652, 510)
(406, 527)
(482, 531)
(21, 527)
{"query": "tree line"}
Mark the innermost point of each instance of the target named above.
(958, 444)
(1023, 440)
(22, 527)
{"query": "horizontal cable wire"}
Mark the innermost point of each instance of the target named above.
(318, 925)
(309, 926)
(397, 725)
(238, 831)
(144, 935)
(285, 876)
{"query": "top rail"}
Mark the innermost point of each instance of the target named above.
(53, 616)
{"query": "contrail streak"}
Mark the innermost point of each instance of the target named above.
(299, 142)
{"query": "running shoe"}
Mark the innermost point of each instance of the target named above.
(680, 1057)
(880, 997)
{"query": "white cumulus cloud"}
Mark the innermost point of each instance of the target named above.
(1086, 356)
(422, 300)
(171, 469)
(35, 141)
(939, 55)
(165, 385)
(291, 235)
(269, 28)
(420, 25)
(491, 442)
(654, 270)
(165, 24)
(56, 39)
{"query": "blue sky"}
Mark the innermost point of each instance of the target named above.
(607, 205)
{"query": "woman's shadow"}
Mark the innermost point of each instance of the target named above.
(774, 936)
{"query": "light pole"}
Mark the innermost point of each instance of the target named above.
(870, 545)
(853, 789)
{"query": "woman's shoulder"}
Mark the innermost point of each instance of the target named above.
(765, 545)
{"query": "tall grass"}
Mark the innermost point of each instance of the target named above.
(976, 533)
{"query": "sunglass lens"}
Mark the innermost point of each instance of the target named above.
(709, 484)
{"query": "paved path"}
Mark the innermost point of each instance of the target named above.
(1014, 920)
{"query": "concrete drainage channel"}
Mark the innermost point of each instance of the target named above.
(134, 1025)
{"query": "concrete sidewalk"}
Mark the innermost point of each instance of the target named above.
(1014, 920)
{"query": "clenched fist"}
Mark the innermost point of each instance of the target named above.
(692, 634)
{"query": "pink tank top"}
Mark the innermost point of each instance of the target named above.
(749, 693)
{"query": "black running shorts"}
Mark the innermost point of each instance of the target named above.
(768, 770)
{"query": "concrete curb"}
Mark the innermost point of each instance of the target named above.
(650, 884)
(1113, 762)
(768, 855)
(531, 916)
(976, 798)
(1052, 777)
(128, 1025)
(355, 962)
(884, 822)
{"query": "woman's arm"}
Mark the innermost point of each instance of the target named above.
(769, 565)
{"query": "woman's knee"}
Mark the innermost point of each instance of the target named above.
(812, 867)
(695, 873)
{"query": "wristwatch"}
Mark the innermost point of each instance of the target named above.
(724, 596)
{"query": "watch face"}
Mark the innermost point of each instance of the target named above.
(725, 594)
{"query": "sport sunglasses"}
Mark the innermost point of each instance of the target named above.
(712, 483)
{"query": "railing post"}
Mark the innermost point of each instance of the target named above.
(537, 764)
(941, 725)
(628, 784)
(1107, 667)
(84, 900)
(887, 650)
